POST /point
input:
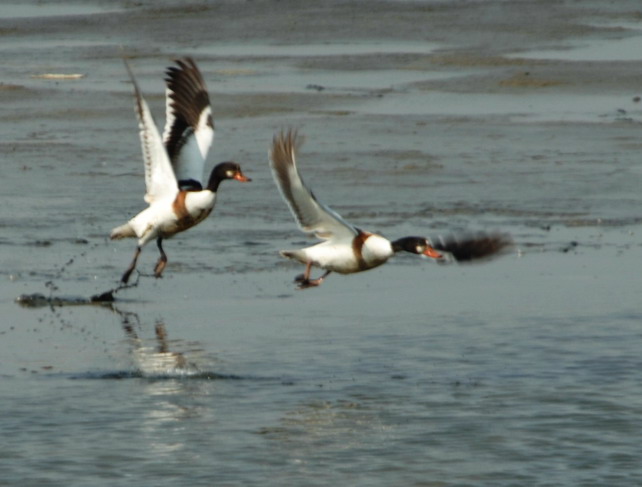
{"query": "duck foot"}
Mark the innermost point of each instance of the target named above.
(160, 267)
(304, 282)
(125, 279)
(162, 260)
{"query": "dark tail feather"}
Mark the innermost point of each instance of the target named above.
(474, 246)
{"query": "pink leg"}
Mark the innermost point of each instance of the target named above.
(162, 260)
(304, 281)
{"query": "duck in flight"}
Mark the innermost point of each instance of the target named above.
(174, 163)
(347, 249)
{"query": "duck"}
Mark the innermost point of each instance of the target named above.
(177, 198)
(347, 249)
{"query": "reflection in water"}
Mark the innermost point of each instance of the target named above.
(167, 399)
(170, 380)
(156, 360)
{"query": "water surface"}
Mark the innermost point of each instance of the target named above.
(521, 371)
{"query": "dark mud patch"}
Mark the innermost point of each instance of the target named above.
(39, 300)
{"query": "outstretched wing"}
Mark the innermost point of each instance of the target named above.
(473, 246)
(159, 175)
(189, 127)
(311, 215)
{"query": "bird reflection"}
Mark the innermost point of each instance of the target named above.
(157, 359)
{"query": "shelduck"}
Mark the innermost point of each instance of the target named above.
(174, 163)
(347, 249)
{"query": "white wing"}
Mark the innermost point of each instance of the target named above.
(159, 175)
(189, 127)
(311, 215)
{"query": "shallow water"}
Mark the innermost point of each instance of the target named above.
(626, 49)
(521, 371)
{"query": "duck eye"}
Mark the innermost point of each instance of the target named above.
(420, 248)
(229, 174)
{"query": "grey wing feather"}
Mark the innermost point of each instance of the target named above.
(311, 215)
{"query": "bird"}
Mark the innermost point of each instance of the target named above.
(177, 198)
(347, 249)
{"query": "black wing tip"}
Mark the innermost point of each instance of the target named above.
(138, 96)
(186, 72)
(132, 78)
(186, 62)
(475, 246)
(187, 96)
(281, 158)
(285, 135)
(285, 145)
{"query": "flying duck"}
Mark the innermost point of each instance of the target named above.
(177, 198)
(347, 249)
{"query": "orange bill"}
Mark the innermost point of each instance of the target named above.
(239, 176)
(430, 252)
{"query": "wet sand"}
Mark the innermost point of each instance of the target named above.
(419, 117)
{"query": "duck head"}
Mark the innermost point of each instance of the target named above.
(416, 245)
(226, 170)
